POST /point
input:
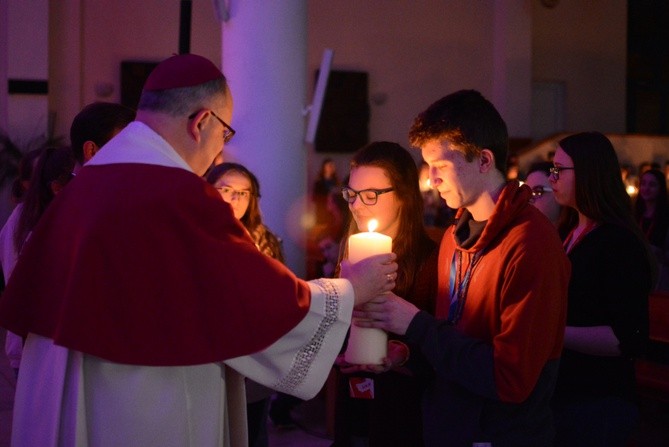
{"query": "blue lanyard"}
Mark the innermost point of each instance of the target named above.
(459, 285)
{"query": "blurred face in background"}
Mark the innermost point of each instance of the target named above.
(649, 188)
(235, 188)
(542, 195)
(329, 169)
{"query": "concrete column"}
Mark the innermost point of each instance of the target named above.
(66, 30)
(264, 57)
(512, 64)
(4, 36)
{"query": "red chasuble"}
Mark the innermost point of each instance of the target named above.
(144, 264)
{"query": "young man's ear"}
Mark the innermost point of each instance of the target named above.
(89, 149)
(486, 160)
(56, 187)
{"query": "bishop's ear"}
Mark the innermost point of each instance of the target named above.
(195, 124)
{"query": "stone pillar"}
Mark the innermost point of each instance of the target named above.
(66, 69)
(512, 64)
(4, 37)
(264, 57)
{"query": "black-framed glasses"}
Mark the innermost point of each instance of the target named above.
(368, 196)
(538, 191)
(555, 170)
(228, 131)
(229, 193)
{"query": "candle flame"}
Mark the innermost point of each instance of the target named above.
(632, 190)
(372, 224)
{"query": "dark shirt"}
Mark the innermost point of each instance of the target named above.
(609, 286)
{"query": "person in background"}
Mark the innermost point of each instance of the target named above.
(607, 317)
(331, 237)
(240, 188)
(651, 210)
(512, 167)
(542, 193)
(20, 173)
(52, 172)
(91, 129)
(26, 168)
(646, 165)
(494, 345)
(383, 185)
(544, 200)
(156, 302)
(436, 213)
(94, 126)
(326, 181)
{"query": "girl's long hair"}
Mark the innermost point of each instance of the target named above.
(53, 169)
(600, 191)
(412, 240)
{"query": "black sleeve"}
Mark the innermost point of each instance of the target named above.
(454, 356)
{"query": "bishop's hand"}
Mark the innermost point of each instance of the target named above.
(371, 277)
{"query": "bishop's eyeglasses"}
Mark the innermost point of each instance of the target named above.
(228, 132)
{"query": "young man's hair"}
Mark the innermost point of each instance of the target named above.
(97, 122)
(468, 121)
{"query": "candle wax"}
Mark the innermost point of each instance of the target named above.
(367, 346)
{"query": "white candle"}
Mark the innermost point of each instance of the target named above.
(367, 346)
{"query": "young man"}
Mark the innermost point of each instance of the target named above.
(139, 287)
(495, 342)
(94, 126)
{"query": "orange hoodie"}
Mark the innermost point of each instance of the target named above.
(495, 370)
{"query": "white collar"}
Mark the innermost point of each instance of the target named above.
(138, 143)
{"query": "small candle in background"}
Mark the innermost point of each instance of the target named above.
(367, 346)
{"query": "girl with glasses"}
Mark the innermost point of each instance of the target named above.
(607, 316)
(543, 198)
(240, 188)
(383, 185)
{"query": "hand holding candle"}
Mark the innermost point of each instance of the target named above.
(367, 346)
